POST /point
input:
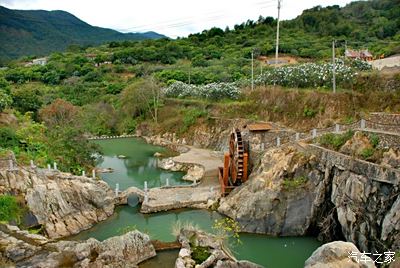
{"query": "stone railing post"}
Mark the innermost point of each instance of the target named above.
(314, 133)
(83, 173)
(48, 167)
(116, 189)
(297, 136)
(94, 174)
(55, 166)
(362, 124)
(167, 182)
(337, 128)
(278, 141)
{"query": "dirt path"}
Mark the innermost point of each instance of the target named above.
(210, 160)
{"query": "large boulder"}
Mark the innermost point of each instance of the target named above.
(62, 203)
(21, 249)
(279, 198)
(338, 254)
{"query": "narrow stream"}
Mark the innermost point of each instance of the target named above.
(140, 166)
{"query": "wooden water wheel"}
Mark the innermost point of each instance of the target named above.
(235, 169)
(236, 154)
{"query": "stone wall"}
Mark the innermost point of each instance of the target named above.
(302, 189)
(384, 122)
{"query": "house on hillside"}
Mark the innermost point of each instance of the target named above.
(360, 54)
(39, 61)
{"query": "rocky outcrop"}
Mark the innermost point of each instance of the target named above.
(24, 250)
(309, 189)
(62, 203)
(194, 240)
(338, 255)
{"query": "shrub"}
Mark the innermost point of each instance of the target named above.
(5, 100)
(309, 112)
(8, 138)
(308, 75)
(367, 153)
(200, 254)
(214, 91)
(335, 141)
(294, 183)
(374, 140)
(190, 118)
(9, 208)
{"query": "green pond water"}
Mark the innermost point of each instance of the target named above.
(268, 251)
(139, 165)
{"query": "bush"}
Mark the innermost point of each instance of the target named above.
(367, 153)
(214, 91)
(309, 112)
(308, 75)
(335, 141)
(291, 184)
(5, 100)
(374, 140)
(9, 208)
(200, 254)
(8, 138)
(191, 117)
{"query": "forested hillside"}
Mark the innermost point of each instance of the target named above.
(39, 32)
(171, 85)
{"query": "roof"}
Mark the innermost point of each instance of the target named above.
(259, 127)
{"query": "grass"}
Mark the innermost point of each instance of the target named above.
(295, 183)
(200, 254)
(335, 141)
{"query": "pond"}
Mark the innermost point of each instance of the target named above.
(261, 249)
(138, 166)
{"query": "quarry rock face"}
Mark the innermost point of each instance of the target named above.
(20, 249)
(62, 203)
(303, 189)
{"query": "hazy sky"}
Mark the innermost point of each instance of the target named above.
(170, 17)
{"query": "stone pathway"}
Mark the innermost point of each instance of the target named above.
(210, 160)
(161, 199)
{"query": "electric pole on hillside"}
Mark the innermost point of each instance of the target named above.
(252, 69)
(277, 33)
(333, 67)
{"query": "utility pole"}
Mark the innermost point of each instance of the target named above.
(277, 33)
(190, 69)
(252, 70)
(333, 67)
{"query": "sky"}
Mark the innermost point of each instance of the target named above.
(171, 17)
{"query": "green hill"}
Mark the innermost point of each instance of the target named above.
(39, 32)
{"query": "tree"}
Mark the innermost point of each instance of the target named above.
(27, 99)
(142, 97)
(5, 100)
(59, 113)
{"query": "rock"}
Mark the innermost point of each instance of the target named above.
(121, 251)
(64, 204)
(357, 197)
(264, 205)
(121, 156)
(157, 154)
(194, 173)
(218, 256)
(236, 264)
(391, 158)
(336, 254)
(104, 170)
(356, 145)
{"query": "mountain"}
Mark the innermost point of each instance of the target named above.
(40, 32)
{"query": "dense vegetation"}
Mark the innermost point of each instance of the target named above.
(39, 32)
(9, 209)
(170, 85)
